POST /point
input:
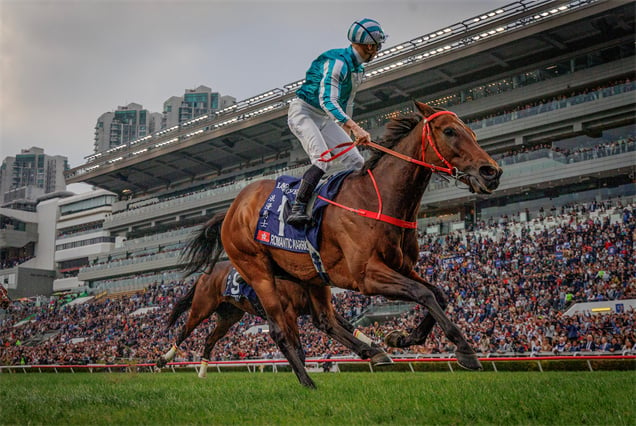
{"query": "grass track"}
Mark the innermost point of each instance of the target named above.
(462, 398)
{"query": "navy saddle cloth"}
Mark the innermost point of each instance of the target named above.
(272, 229)
(236, 287)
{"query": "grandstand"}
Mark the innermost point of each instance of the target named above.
(507, 304)
(548, 87)
(561, 125)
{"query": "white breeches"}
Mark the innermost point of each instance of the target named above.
(317, 133)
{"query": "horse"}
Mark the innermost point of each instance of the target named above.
(368, 239)
(5, 301)
(207, 296)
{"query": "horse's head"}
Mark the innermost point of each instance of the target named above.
(4, 298)
(454, 145)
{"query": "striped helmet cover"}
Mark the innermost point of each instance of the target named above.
(366, 31)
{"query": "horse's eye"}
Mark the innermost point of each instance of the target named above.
(449, 131)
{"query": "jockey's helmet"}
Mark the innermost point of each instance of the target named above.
(366, 31)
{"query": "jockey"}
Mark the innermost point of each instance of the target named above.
(320, 115)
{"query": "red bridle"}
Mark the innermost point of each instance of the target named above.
(427, 139)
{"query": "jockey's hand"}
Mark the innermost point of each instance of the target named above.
(360, 136)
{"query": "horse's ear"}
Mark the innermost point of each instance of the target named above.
(425, 109)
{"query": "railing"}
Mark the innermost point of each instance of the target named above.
(314, 363)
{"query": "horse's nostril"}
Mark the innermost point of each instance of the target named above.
(489, 172)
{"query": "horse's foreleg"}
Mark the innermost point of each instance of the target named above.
(326, 319)
(228, 315)
(351, 329)
(418, 335)
(382, 280)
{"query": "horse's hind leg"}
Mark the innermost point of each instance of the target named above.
(326, 319)
(227, 316)
(185, 331)
(290, 346)
(255, 265)
(281, 331)
(197, 314)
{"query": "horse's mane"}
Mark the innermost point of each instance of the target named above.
(395, 131)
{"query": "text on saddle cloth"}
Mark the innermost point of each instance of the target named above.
(272, 228)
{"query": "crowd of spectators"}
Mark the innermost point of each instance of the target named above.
(564, 100)
(12, 261)
(581, 153)
(508, 284)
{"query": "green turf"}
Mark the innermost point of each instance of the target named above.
(461, 398)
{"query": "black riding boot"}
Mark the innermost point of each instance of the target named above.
(299, 215)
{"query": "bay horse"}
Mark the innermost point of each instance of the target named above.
(207, 296)
(5, 301)
(368, 241)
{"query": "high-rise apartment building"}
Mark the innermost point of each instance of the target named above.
(31, 174)
(194, 103)
(124, 125)
(132, 122)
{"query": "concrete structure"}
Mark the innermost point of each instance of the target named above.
(604, 307)
(124, 126)
(80, 235)
(30, 175)
(27, 241)
(42, 251)
(193, 104)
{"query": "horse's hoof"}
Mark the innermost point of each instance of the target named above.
(469, 361)
(395, 339)
(309, 384)
(380, 359)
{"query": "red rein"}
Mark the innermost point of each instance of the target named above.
(427, 139)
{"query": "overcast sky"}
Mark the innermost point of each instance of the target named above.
(64, 63)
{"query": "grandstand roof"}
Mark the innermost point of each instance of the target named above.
(255, 131)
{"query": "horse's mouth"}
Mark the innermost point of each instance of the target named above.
(477, 186)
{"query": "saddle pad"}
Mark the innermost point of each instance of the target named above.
(272, 229)
(236, 287)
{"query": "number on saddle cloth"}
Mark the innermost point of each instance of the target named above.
(272, 228)
(237, 288)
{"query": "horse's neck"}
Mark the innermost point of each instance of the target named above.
(401, 183)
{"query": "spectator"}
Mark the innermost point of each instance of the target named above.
(589, 345)
(561, 346)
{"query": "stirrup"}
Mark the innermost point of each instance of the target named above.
(298, 215)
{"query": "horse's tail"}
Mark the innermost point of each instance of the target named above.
(204, 250)
(182, 305)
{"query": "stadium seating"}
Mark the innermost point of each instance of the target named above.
(508, 283)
